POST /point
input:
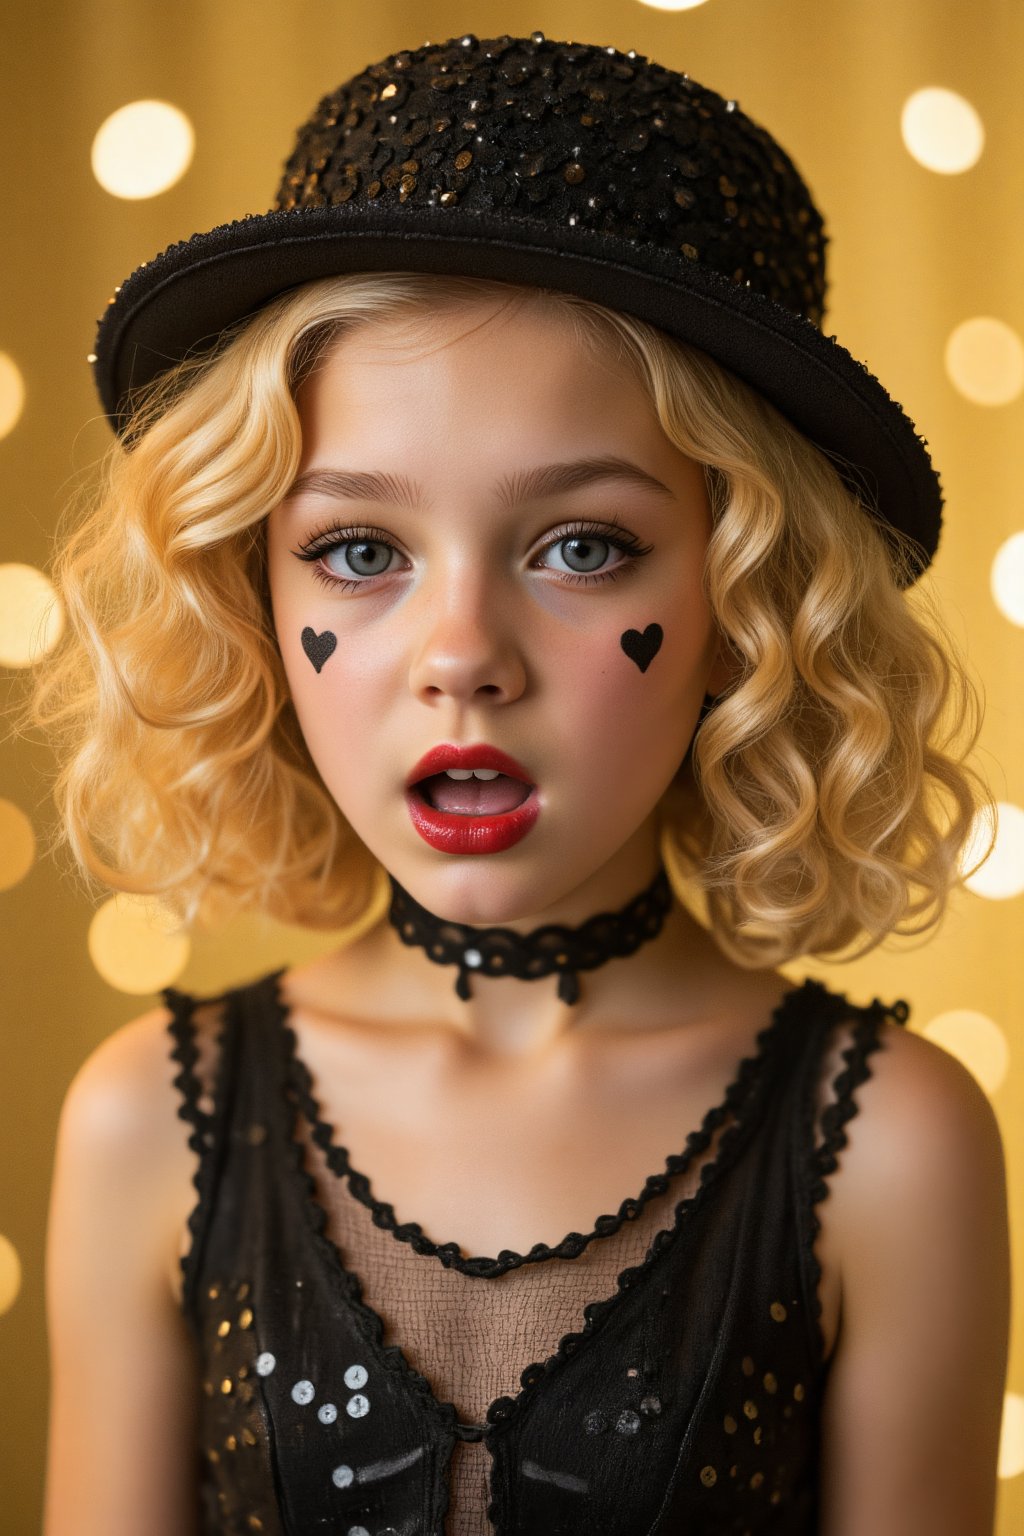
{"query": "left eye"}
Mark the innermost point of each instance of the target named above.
(589, 543)
(581, 555)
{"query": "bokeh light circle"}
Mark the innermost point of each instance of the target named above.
(942, 131)
(12, 394)
(17, 844)
(142, 149)
(1007, 579)
(975, 1040)
(10, 1274)
(31, 615)
(136, 943)
(673, 5)
(1011, 1438)
(985, 361)
(1002, 874)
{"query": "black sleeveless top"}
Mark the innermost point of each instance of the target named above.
(687, 1399)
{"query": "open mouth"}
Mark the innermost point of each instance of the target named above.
(479, 810)
(472, 796)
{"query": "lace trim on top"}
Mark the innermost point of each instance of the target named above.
(822, 1160)
(206, 1134)
(745, 1092)
(572, 1245)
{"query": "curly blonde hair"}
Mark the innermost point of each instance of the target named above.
(819, 803)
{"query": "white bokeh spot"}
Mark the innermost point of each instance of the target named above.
(12, 394)
(1001, 876)
(985, 361)
(1007, 579)
(942, 131)
(142, 149)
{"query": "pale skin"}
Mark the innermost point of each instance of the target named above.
(475, 635)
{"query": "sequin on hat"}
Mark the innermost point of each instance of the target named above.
(562, 165)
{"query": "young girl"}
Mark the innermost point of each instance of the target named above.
(495, 551)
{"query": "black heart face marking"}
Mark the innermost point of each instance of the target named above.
(642, 648)
(318, 647)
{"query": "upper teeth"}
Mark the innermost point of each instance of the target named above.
(472, 773)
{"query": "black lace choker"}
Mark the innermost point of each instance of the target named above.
(502, 952)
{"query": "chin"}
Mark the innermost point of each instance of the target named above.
(493, 894)
(475, 896)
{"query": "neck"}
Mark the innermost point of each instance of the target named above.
(509, 1017)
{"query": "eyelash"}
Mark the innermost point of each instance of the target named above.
(334, 537)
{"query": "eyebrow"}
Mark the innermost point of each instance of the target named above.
(512, 490)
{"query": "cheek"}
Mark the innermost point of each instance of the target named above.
(338, 692)
(634, 698)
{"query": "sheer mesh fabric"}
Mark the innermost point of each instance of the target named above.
(472, 1337)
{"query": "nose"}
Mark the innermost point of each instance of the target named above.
(469, 644)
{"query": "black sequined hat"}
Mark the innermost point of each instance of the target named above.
(560, 165)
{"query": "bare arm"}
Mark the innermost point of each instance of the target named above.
(914, 1401)
(123, 1375)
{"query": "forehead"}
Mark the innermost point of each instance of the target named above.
(483, 372)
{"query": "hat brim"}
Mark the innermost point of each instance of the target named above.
(182, 301)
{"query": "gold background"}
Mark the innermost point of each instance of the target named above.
(913, 253)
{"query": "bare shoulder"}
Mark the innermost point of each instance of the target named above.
(124, 1093)
(116, 1142)
(116, 1089)
(122, 1142)
(923, 1122)
(119, 1348)
(920, 1362)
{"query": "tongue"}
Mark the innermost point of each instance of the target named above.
(474, 797)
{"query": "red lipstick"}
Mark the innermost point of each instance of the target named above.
(482, 756)
(451, 832)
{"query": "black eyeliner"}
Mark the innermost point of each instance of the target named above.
(330, 534)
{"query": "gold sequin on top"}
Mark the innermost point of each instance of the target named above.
(382, 1383)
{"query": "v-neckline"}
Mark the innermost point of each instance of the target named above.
(743, 1096)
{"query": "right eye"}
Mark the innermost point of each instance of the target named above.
(363, 554)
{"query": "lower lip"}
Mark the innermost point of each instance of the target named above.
(449, 833)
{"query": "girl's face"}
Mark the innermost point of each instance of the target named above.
(462, 597)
